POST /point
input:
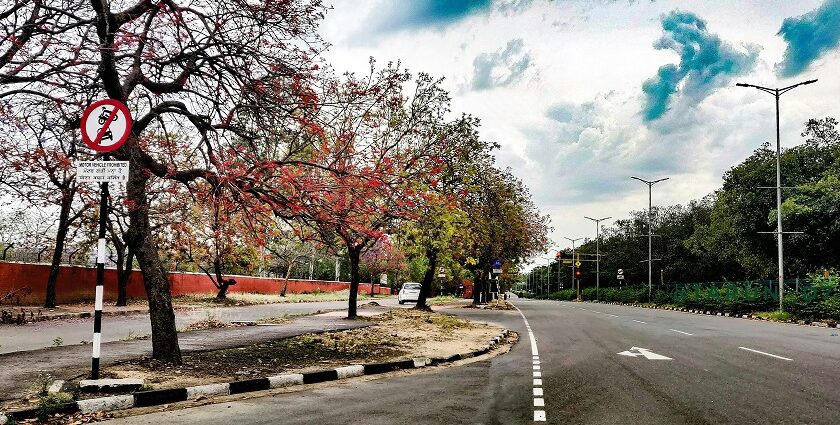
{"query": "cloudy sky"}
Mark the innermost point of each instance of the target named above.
(583, 94)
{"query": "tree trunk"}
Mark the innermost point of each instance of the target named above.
(161, 315)
(353, 255)
(222, 294)
(60, 236)
(221, 283)
(286, 279)
(428, 279)
(123, 274)
(478, 287)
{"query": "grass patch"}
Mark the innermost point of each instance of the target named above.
(445, 299)
(775, 316)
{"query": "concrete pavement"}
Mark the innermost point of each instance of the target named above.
(598, 364)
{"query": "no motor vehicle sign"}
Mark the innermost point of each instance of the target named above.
(106, 125)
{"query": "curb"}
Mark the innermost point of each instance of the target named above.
(174, 395)
(725, 314)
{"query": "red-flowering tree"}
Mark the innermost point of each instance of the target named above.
(375, 145)
(38, 152)
(235, 78)
(383, 257)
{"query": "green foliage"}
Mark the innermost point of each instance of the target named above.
(48, 404)
(815, 302)
(776, 316)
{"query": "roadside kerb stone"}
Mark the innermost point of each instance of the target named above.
(110, 385)
(116, 402)
(173, 395)
(207, 390)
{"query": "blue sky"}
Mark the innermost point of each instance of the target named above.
(583, 94)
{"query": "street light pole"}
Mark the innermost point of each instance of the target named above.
(650, 229)
(597, 254)
(778, 92)
(573, 262)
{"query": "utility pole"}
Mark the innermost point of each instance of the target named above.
(778, 92)
(650, 231)
(573, 261)
(597, 254)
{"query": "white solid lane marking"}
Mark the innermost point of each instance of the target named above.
(539, 402)
(766, 354)
(538, 392)
(539, 415)
(684, 333)
(639, 321)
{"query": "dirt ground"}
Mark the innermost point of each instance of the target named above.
(395, 334)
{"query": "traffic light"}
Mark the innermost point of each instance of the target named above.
(577, 273)
(559, 255)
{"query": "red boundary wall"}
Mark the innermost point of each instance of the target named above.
(76, 284)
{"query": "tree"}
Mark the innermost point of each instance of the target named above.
(440, 223)
(376, 144)
(504, 224)
(383, 257)
(224, 74)
(41, 154)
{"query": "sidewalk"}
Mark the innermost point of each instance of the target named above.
(20, 369)
(34, 336)
(31, 314)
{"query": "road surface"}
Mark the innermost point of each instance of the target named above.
(597, 364)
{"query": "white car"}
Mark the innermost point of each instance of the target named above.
(410, 292)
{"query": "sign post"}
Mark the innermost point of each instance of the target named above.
(105, 125)
(497, 270)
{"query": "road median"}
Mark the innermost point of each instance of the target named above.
(395, 340)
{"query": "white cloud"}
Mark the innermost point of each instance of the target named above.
(571, 128)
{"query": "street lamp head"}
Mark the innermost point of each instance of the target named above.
(743, 85)
(597, 219)
(810, 82)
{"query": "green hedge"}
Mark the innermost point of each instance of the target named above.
(818, 300)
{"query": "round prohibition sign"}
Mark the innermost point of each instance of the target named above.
(106, 125)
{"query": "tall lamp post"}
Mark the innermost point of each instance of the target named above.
(650, 228)
(778, 92)
(573, 261)
(597, 254)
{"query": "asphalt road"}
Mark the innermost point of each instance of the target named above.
(33, 336)
(715, 370)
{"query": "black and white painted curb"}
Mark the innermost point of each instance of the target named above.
(174, 395)
(722, 314)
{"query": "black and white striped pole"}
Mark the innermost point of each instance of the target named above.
(101, 254)
(105, 126)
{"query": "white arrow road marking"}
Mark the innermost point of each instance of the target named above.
(643, 352)
(766, 354)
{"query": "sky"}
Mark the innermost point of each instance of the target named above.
(581, 95)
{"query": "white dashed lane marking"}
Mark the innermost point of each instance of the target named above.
(766, 354)
(539, 398)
